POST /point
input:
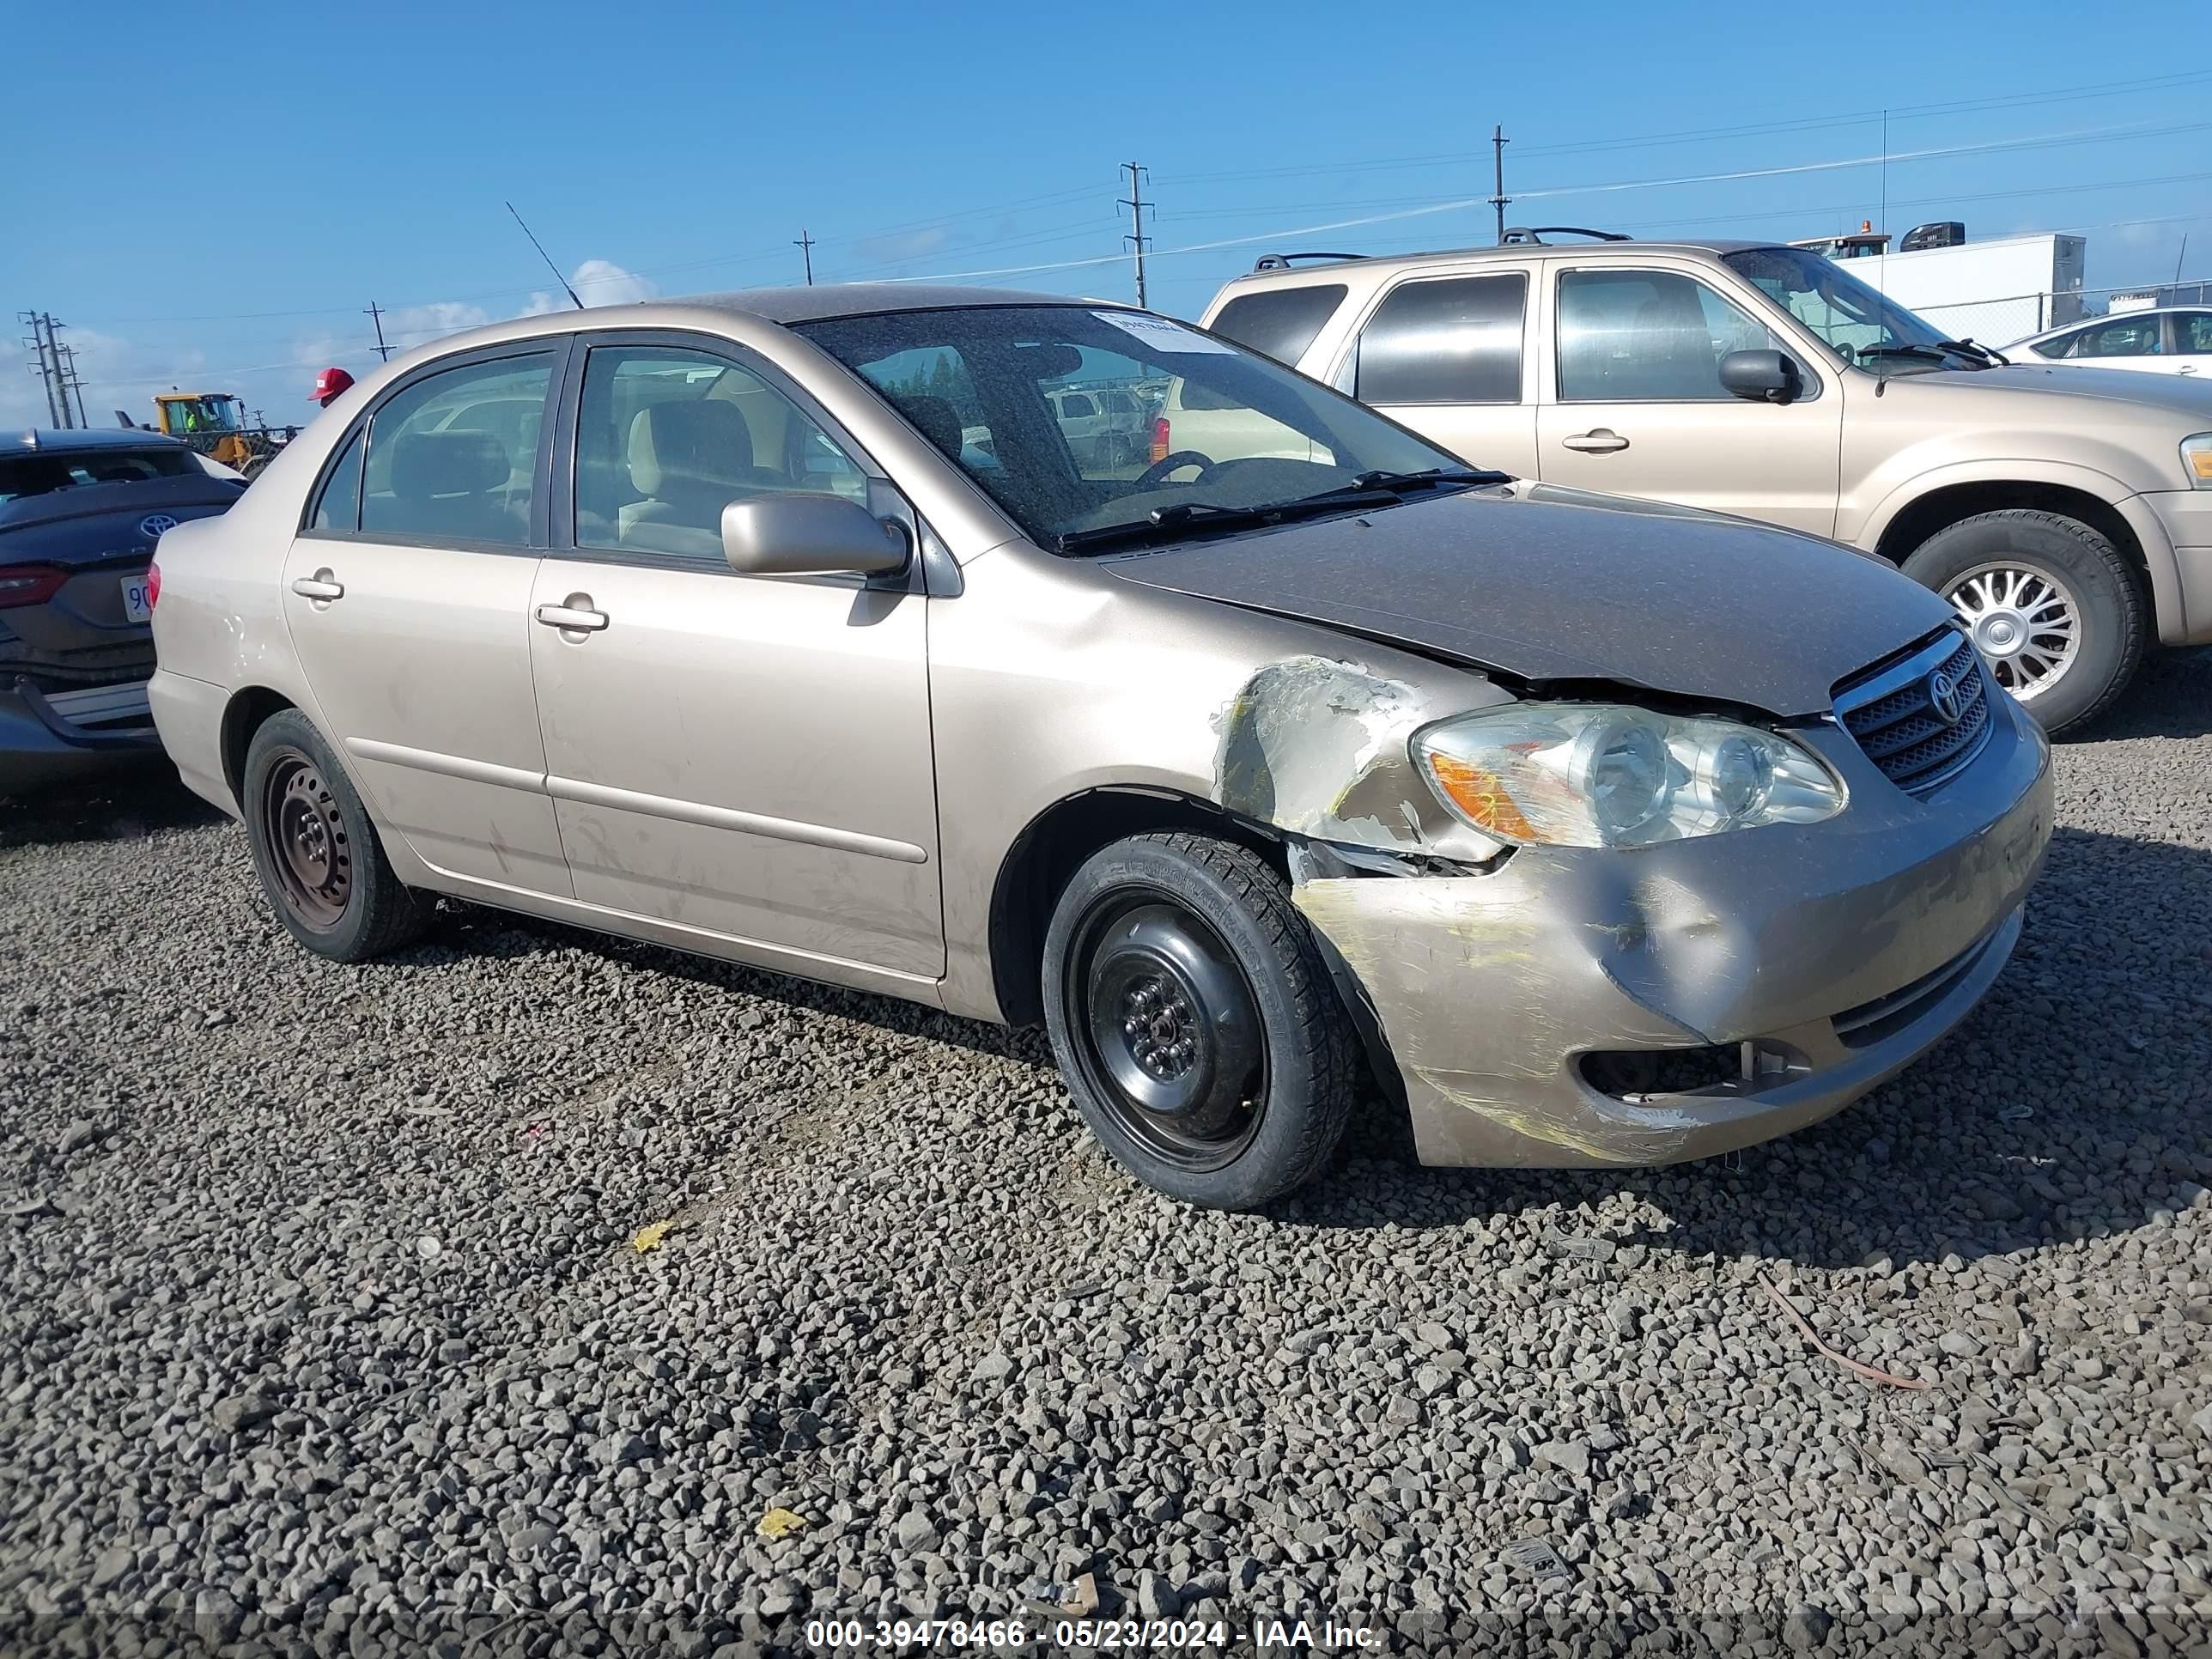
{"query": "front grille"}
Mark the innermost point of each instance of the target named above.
(1892, 715)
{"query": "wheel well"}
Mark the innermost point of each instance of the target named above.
(1054, 847)
(1939, 509)
(240, 720)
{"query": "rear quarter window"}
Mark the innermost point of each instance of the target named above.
(1281, 322)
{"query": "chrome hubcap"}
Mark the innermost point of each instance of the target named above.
(2025, 622)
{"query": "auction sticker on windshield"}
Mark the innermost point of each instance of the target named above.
(1160, 334)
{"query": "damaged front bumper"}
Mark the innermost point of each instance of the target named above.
(1800, 965)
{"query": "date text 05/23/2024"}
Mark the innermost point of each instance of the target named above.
(1085, 1635)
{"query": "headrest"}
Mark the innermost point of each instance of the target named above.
(938, 421)
(697, 444)
(426, 464)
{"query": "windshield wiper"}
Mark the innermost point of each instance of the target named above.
(1941, 351)
(1184, 517)
(1433, 478)
(1377, 488)
(1972, 348)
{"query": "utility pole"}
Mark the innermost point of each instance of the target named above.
(1499, 198)
(65, 365)
(44, 366)
(1134, 201)
(383, 351)
(805, 246)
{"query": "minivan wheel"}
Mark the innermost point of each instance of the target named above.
(2052, 604)
(1195, 1022)
(315, 850)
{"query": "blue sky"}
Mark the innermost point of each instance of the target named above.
(210, 205)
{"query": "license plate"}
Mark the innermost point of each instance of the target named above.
(138, 605)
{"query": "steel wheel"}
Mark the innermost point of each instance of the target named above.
(2026, 623)
(306, 840)
(1166, 1029)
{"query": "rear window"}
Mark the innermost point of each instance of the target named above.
(24, 474)
(1281, 322)
(1446, 340)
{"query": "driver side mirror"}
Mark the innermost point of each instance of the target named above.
(807, 534)
(1761, 377)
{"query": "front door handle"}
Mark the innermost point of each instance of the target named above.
(1602, 441)
(576, 616)
(322, 587)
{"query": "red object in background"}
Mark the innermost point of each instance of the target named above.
(1160, 451)
(329, 384)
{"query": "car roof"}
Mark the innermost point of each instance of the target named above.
(1323, 269)
(53, 440)
(809, 305)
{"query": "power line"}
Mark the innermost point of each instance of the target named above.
(1499, 198)
(805, 246)
(383, 351)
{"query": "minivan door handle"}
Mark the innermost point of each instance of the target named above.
(572, 617)
(1601, 440)
(322, 587)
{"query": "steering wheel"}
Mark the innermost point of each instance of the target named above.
(1156, 473)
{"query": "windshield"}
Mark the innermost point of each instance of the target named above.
(1837, 307)
(1050, 409)
(42, 474)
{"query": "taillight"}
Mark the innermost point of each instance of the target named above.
(29, 584)
(153, 585)
(1160, 450)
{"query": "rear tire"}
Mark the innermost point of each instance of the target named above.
(315, 850)
(1195, 1022)
(2054, 606)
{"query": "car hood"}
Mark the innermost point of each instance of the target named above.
(2177, 394)
(1547, 585)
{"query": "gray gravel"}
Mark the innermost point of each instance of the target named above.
(323, 1329)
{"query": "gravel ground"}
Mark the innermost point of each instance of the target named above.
(324, 1328)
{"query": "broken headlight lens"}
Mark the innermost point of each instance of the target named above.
(1582, 775)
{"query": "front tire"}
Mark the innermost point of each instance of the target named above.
(2050, 602)
(315, 850)
(1194, 1020)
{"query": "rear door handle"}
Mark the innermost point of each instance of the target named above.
(1603, 441)
(322, 587)
(572, 618)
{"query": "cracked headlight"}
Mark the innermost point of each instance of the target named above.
(1583, 774)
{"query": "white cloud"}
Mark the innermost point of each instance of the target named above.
(597, 283)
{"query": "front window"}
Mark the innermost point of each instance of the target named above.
(1236, 430)
(215, 412)
(1851, 317)
(1647, 337)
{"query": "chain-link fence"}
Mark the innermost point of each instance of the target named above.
(2000, 321)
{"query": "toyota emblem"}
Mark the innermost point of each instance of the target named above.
(1945, 697)
(152, 525)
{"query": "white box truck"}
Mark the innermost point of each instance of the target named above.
(1994, 290)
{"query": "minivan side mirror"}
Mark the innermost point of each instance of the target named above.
(803, 533)
(1761, 377)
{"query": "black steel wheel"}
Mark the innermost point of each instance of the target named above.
(1167, 1032)
(315, 849)
(1195, 1022)
(304, 829)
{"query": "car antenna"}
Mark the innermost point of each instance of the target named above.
(548, 257)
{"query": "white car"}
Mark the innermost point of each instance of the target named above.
(2174, 340)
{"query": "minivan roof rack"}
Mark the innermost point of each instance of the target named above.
(1285, 261)
(1533, 235)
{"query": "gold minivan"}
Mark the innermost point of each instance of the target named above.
(792, 628)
